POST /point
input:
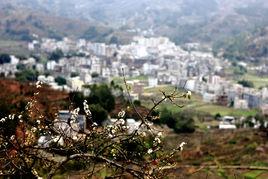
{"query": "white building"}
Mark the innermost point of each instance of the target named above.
(96, 65)
(86, 78)
(98, 48)
(240, 103)
(40, 67)
(44, 79)
(209, 97)
(14, 60)
(51, 65)
(264, 93)
(190, 85)
(75, 83)
(226, 125)
(152, 82)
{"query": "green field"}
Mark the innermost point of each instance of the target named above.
(195, 103)
(258, 81)
(214, 109)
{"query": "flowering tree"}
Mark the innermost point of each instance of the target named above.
(32, 145)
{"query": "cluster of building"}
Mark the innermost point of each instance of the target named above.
(158, 58)
(216, 89)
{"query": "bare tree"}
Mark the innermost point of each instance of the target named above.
(118, 148)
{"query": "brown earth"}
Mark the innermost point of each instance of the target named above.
(13, 93)
(219, 153)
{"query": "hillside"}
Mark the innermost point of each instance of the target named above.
(251, 47)
(22, 23)
(202, 18)
(225, 24)
(221, 154)
(14, 96)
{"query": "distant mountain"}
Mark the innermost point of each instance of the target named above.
(252, 47)
(20, 19)
(183, 20)
(206, 21)
(22, 23)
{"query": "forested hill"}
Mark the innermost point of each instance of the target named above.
(219, 22)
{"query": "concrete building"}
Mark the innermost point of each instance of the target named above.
(240, 103)
(264, 93)
(253, 100)
(75, 83)
(264, 109)
(152, 82)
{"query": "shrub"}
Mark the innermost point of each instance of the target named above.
(184, 122)
(60, 80)
(166, 117)
(56, 55)
(102, 95)
(246, 83)
(27, 75)
(181, 122)
(99, 114)
(137, 103)
(4, 58)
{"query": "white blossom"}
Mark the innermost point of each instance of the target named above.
(121, 114)
(2, 120)
(113, 151)
(143, 134)
(157, 140)
(75, 137)
(150, 124)
(74, 113)
(181, 145)
(86, 108)
(125, 127)
(11, 116)
(12, 137)
(159, 134)
(121, 121)
(113, 131)
(94, 124)
(29, 105)
(150, 151)
(34, 129)
(38, 84)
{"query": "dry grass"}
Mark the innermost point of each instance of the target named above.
(220, 148)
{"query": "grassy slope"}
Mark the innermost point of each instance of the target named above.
(258, 81)
(214, 109)
(196, 103)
